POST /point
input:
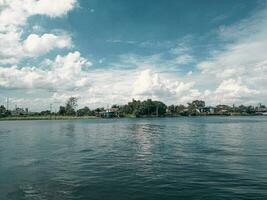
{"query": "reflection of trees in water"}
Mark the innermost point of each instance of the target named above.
(68, 129)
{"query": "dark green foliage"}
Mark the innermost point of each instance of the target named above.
(62, 110)
(99, 110)
(4, 112)
(71, 105)
(143, 108)
(45, 112)
(147, 108)
(84, 111)
(69, 108)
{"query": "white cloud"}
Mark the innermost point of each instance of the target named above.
(150, 84)
(237, 74)
(232, 91)
(10, 48)
(38, 45)
(50, 8)
(16, 12)
(13, 17)
(13, 50)
(240, 69)
(67, 76)
(65, 73)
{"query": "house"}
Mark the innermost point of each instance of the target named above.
(208, 110)
(19, 111)
(261, 108)
(110, 113)
(223, 109)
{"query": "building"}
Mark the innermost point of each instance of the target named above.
(208, 110)
(110, 113)
(19, 111)
(260, 108)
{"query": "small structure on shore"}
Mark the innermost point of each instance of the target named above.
(19, 111)
(110, 113)
(208, 110)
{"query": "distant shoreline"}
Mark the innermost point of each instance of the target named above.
(19, 118)
(55, 118)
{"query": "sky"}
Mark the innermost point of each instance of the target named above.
(107, 52)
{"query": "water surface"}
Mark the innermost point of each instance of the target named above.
(168, 158)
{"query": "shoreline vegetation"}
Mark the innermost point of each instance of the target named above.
(56, 117)
(134, 109)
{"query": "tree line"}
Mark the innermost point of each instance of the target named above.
(134, 108)
(146, 108)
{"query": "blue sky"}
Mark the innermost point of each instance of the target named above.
(106, 52)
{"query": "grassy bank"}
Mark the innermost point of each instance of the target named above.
(46, 118)
(94, 117)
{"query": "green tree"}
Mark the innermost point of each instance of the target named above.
(180, 109)
(3, 111)
(84, 111)
(45, 112)
(171, 109)
(144, 108)
(195, 106)
(62, 110)
(250, 110)
(71, 105)
(198, 104)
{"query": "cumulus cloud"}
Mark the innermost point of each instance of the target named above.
(67, 76)
(13, 50)
(10, 48)
(150, 84)
(13, 17)
(38, 45)
(240, 68)
(237, 74)
(16, 12)
(49, 7)
(232, 90)
(64, 73)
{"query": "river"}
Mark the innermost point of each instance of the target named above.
(164, 158)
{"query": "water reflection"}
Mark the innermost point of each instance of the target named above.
(179, 158)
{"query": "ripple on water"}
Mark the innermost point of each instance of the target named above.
(181, 158)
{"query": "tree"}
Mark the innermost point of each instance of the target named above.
(45, 112)
(242, 108)
(144, 108)
(62, 110)
(250, 110)
(71, 105)
(2, 111)
(160, 108)
(171, 109)
(115, 106)
(195, 106)
(180, 109)
(198, 104)
(84, 111)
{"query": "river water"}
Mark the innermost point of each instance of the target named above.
(164, 158)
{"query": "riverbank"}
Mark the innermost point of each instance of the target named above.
(65, 159)
(53, 117)
(47, 118)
